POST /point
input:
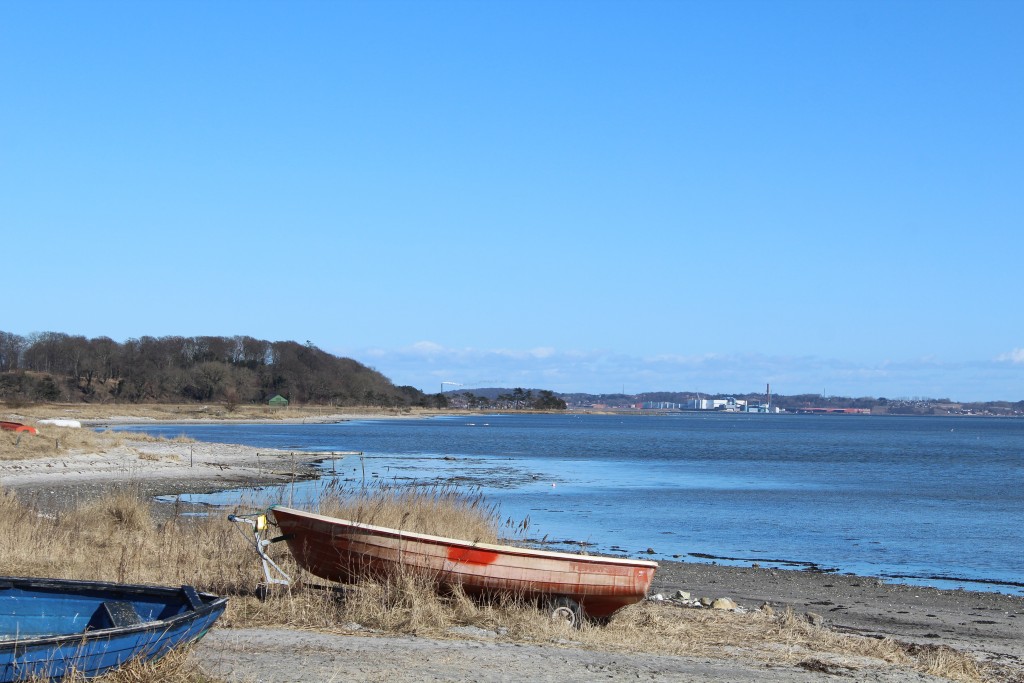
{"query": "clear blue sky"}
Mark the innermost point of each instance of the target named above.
(580, 196)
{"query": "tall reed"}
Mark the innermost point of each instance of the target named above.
(438, 510)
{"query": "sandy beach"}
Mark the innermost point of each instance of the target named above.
(986, 624)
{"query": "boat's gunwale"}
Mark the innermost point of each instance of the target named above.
(479, 545)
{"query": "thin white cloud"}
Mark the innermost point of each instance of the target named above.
(1015, 356)
(676, 359)
(428, 348)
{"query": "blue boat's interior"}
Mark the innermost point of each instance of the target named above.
(27, 612)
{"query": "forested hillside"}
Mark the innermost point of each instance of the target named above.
(53, 366)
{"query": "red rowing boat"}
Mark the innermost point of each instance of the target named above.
(573, 585)
(17, 427)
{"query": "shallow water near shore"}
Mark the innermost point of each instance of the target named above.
(934, 501)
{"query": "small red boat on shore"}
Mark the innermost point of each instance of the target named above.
(572, 585)
(17, 427)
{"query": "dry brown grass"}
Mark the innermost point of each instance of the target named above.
(118, 538)
(784, 638)
(171, 411)
(121, 538)
(54, 441)
(435, 510)
(174, 667)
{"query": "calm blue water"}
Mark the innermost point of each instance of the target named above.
(936, 501)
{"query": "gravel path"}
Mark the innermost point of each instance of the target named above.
(283, 656)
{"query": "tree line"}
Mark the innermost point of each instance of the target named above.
(517, 399)
(53, 366)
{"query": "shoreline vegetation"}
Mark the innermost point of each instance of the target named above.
(77, 503)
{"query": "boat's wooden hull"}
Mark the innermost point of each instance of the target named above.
(51, 627)
(340, 550)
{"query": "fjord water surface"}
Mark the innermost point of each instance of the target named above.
(930, 500)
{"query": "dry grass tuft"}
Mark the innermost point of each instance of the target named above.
(944, 661)
(174, 667)
(401, 602)
(435, 510)
(124, 510)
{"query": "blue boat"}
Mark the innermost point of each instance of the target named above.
(52, 627)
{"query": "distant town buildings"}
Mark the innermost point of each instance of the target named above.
(728, 405)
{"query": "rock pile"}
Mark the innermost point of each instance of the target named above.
(684, 599)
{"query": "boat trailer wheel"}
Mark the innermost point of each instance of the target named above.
(566, 610)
